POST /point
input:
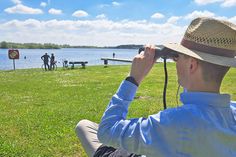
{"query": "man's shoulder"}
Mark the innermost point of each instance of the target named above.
(180, 114)
(183, 109)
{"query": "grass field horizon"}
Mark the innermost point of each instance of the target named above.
(40, 109)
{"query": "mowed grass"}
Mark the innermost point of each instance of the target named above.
(39, 110)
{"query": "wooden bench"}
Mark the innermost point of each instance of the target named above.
(83, 63)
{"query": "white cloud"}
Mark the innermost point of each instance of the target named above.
(16, 1)
(228, 3)
(205, 2)
(174, 19)
(98, 32)
(101, 16)
(116, 3)
(196, 14)
(90, 32)
(54, 11)
(80, 13)
(233, 19)
(22, 9)
(204, 13)
(113, 4)
(223, 3)
(157, 16)
(43, 4)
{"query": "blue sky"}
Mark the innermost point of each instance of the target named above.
(105, 22)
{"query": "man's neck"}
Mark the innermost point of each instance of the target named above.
(204, 87)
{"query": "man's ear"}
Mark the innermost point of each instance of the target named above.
(193, 65)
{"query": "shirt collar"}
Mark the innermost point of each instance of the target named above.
(204, 98)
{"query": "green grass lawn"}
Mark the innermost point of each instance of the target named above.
(39, 110)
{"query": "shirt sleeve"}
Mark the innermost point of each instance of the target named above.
(138, 135)
(233, 108)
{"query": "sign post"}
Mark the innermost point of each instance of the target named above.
(13, 54)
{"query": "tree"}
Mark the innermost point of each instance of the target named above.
(4, 45)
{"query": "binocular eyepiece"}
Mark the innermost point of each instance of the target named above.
(163, 53)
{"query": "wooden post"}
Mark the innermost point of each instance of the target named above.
(83, 65)
(72, 66)
(105, 63)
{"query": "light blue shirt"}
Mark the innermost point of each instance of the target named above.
(204, 126)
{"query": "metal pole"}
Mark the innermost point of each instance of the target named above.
(14, 64)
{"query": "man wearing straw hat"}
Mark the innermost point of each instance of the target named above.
(204, 126)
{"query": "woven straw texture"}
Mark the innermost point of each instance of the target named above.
(211, 32)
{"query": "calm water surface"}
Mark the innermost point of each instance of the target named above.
(31, 58)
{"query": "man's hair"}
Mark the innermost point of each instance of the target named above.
(212, 72)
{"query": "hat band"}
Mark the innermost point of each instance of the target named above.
(207, 49)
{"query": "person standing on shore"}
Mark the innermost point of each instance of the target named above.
(45, 59)
(52, 62)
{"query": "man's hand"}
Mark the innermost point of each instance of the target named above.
(143, 63)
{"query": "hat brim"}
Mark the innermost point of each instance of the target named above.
(214, 59)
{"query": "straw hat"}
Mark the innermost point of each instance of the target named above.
(209, 40)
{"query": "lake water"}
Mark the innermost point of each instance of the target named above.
(92, 55)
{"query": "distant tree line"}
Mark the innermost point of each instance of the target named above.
(9, 45)
(129, 46)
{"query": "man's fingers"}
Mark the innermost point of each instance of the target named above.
(149, 51)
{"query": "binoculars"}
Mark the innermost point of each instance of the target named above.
(163, 53)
